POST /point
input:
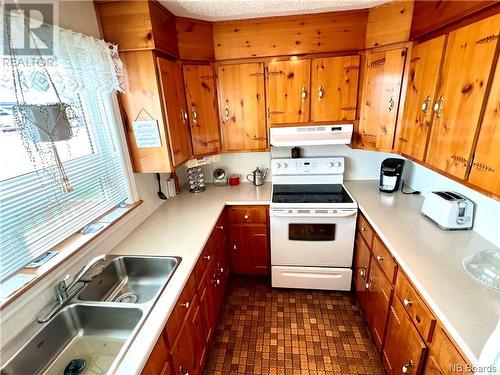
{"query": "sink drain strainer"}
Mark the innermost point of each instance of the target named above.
(129, 297)
(75, 366)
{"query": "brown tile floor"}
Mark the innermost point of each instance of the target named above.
(286, 331)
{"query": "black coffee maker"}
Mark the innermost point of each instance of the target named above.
(391, 170)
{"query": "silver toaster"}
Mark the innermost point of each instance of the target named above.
(449, 210)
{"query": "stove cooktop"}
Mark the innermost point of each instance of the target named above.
(317, 194)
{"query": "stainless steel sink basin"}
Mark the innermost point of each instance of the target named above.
(95, 328)
(94, 334)
(129, 279)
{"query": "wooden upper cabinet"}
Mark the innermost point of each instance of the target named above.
(136, 25)
(242, 107)
(174, 100)
(424, 71)
(468, 61)
(334, 88)
(404, 350)
(485, 171)
(288, 94)
(380, 99)
(202, 111)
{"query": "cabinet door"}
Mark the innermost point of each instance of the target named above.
(361, 269)
(404, 350)
(380, 99)
(443, 357)
(174, 101)
(201, 100)
(334, 88)
(250, 250)
(467, 65)
(378, 299)
(158, 362)
(188, 346)
(485, 171)
(207, 307)
(242, 107)
(424, 70)
(288, 94)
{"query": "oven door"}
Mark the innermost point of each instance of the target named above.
(325, 241)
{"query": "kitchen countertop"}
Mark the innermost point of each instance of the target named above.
(179, 227)
(431, 258)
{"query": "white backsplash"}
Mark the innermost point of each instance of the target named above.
(365, 165)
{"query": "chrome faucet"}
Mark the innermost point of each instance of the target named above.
(64, 292)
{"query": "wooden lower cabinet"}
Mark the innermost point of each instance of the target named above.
(443, 357)
(404, 350)
(159, 361)
(249, 240)
(378, 298)
(249, 249)
(188, 346)
(361, 269)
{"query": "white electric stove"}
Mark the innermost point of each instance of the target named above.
(313, 224)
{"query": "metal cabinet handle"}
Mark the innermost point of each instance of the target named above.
(226, 112)
(183, 371)
(221, 269)
(320, 93)
(221, 227)
(246, 216)
(194, 114)
(207, 257)
(363, 229)
(362, 272)
(234, 246)
(406, 302)
(380, 258)
(407, 366)
(184, 116)
(438, 106)
(391, 104)
(216, 282)
(303, 93)
(186, 305)
(368, 285)
(426, 106)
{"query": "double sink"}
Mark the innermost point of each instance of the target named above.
(90, 334)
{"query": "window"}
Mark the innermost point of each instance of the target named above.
(35, 213)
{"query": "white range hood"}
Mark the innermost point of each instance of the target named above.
(311, 135)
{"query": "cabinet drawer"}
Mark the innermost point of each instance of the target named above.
(365, 229)
(419, 313)
(248, 214)
(179, 312)
(382, 256)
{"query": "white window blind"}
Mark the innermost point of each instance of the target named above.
(35, 214)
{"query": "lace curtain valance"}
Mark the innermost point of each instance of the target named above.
(78, 61)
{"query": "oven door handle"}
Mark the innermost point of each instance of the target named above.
(298, 214)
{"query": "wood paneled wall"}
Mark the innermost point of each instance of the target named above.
(292, 35)
(389, 23)
(195, 39)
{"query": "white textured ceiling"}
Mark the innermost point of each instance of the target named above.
(218, 10)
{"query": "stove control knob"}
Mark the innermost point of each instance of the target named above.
(278, 165)
(285, 165)
(335, 164)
